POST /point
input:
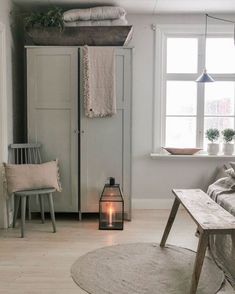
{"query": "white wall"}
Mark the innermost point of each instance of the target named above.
(6, 71)
(5, 7)
(153, 179)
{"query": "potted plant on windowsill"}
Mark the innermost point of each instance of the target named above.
(212, 135)
(228, 146)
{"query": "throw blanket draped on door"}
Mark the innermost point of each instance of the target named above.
(99, 88)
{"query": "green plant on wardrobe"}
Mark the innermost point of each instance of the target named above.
(51, 18)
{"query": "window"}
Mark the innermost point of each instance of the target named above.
(181, 113)
(189, 108)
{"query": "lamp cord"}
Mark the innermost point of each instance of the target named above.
(206, 27)
(221, 19)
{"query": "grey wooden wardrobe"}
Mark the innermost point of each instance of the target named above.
(89, 150)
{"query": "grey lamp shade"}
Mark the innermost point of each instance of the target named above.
(205, 78)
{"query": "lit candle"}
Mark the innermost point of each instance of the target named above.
(110, 216)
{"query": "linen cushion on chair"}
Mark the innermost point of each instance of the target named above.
(21, 177)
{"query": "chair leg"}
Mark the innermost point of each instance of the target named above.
(23, 209)
(29, 208)
(51, 206)
(42, 208)
(16, 209)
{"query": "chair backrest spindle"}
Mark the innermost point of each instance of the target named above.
(21, 155)
(28, 153)
(30, 156)
(26, 156)
(34, 155)
(17, 156)
(39, 156)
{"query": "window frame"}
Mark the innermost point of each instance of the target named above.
(161, 33)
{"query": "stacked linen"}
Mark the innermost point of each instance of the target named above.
(96, 16)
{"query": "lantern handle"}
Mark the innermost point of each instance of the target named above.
(111, 181)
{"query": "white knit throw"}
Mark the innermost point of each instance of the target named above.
(99, 87)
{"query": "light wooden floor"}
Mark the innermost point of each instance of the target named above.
(40, 263)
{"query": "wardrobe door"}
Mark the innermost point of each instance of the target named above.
(106, 142)
(52, 91)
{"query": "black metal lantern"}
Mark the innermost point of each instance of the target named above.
(111, 207)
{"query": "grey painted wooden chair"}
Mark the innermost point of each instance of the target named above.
(29, 154)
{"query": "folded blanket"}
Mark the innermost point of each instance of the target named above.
(99, 89)
(95, 13)
(221, 186)
(84, 23)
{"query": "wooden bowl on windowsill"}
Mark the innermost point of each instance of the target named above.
(182, 151)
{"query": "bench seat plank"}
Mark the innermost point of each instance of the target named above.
(206, 212)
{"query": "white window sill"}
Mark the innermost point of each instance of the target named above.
(200, 155)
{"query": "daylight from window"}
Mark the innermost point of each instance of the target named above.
(190, 107)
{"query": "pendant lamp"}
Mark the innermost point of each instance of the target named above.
(205, 77)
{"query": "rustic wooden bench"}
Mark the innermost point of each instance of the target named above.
(210, 219)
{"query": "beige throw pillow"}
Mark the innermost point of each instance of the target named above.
(20, 177)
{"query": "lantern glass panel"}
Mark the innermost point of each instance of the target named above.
(111, 193)
(111, 208)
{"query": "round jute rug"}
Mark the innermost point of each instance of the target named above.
(143, 268)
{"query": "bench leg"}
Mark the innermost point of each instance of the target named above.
(201, 251)
(170, 222)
